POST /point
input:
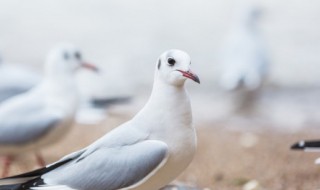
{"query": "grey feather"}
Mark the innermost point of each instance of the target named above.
(8, 92)
(119, 167)
(26, 122)
(15, 80)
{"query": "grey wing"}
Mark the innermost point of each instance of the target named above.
(111, 168)
(26, 122)
(16, 80)
(8, 92)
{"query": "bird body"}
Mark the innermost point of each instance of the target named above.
(15, 80)
(145, 153)
(244, 61)
(244, 58)
(48, 102)
(43, 115)
(174, 126)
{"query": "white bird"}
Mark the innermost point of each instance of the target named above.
(244, 58)
(99, 93)
(145, 153)
(308, 146)
(44, 114)
(15, 80)
(93, 110)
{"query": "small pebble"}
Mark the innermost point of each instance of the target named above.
(248, 140)
(252, 185)
(317, 161)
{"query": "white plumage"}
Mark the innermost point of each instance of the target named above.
(44, 114)
(16, 79)
(244, 58)
(145, 153)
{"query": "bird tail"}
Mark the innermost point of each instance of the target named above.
(31, 179)
(22, 183)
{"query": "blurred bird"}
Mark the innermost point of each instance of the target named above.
(308, 146)
(44, 114)
(15, 80)
(94, 110)
(99, 93)
(145, 153)
(244, 58)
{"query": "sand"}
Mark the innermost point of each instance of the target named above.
(225, 159)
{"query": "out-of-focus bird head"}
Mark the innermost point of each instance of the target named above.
(65, 59)
(252, 15)
(173, 67)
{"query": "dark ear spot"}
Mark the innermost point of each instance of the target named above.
(159, 64)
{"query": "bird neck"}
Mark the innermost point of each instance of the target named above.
(61, 92)
(60, 83)
(165, 92)
(168, 107)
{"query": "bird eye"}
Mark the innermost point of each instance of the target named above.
(171, 61)
(77, 55)
(66, 56)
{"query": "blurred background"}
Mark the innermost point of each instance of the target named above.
(239, 140)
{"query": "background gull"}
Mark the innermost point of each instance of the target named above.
(93, 109)
(98, 93)
(44, 114)
(244, 60)
(145, 153)
(308, 146)
(16, 79)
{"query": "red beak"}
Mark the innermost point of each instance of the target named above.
(189, 74)
(89, 66)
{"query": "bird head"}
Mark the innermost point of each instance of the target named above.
(66, 59)
(173, 67)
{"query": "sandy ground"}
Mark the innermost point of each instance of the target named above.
(224, 160)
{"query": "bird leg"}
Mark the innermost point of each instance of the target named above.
(6, 165)
(40, 160)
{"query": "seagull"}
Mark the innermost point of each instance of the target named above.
(308, 146)
(15, 80)
(42, 115)
(144, 153)
(93, 110)
(244, 58)
(98, 93)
